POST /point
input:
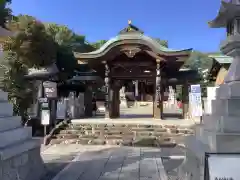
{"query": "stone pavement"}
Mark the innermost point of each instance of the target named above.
(139, 115)
(103, 163)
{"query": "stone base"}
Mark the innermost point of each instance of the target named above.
(218, 133)
(20, 157)
(193, 166)
(25, 166)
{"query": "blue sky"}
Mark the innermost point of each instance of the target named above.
(182, 23)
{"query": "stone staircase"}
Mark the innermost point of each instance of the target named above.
(121, 134)
(19, 151)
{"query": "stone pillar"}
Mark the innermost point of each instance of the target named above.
(219, 130)
(88, 101)
(107, 87)
(185, 101)
(19, 152)
(157, 101)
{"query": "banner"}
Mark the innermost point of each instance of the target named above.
(222, 166)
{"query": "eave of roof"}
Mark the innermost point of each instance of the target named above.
(222, 59)
(226, 13)
(132, 38)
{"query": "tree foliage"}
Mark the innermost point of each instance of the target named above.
(20, 90)
(199, 60)
(5, 12)
(30, 47)
(162, 42)
(33, 45)
(98, 44)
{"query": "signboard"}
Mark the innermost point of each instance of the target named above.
(196, 88)
(50, 89)
(195, 98)
(222, 166)
(61, 110)
(45, 117)
(43, 100)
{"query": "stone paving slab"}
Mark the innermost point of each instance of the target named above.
(57, 157)
(115, 163)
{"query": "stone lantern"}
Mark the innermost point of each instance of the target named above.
(219, 131)
(229, 17)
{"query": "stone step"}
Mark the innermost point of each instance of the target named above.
(122, 134)
(119, 142)
(118, 125)
(11, 122)
(134, 128)
(109, 137)
(6, 109)
(121, 126)
(3, 96)
(16, 135)
(113, 128)
(118, 132)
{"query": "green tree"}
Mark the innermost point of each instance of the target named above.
(98, 44)
(5, 12)
(32, 47)
(199, 60)
(162, 42)
(202, 64)
(65, 39)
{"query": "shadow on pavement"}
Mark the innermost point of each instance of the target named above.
(92, 165)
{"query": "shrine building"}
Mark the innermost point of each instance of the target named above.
(131, 57)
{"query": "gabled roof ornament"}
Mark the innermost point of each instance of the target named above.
(131, 29)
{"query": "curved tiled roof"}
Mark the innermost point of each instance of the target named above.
(222, 59)
(133, 38)
(139, 37)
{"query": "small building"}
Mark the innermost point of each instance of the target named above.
(219, 69)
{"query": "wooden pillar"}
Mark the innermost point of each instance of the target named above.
(161, 100)
(157, 101)
(107, 88)
(88, 101)
(114, 109)
(185, 101)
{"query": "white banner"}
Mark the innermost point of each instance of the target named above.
(223, 166)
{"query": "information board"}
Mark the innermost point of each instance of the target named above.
(195, 100)
(45, 117)
(50, 89)
(222, 166)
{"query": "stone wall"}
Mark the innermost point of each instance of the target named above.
(25, 166)
(20, 157)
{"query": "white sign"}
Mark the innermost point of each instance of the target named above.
(50, 89)
(45, 117)
(223, 166)
(195, 100)
(61, 110)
